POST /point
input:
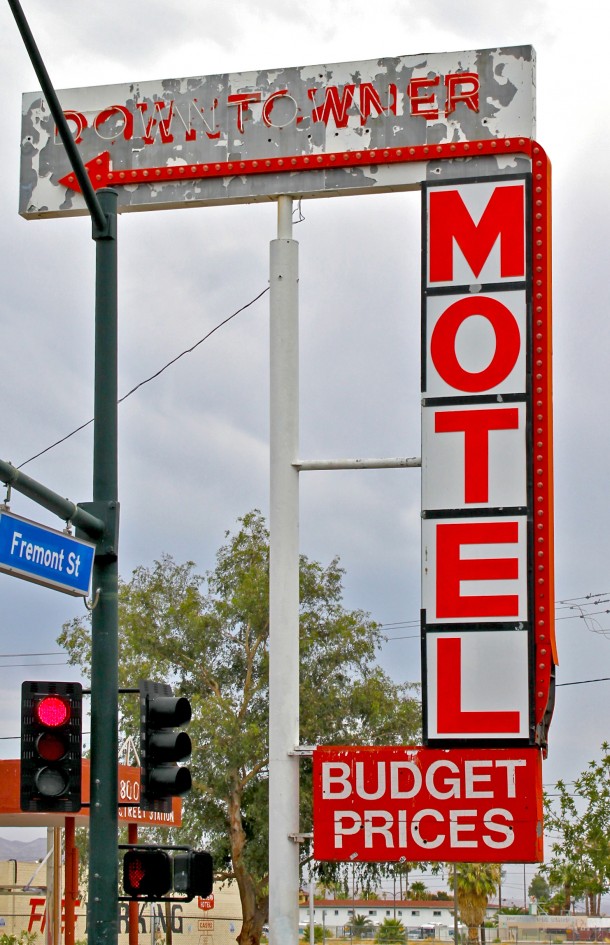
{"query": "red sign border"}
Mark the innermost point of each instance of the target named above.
(540, 460)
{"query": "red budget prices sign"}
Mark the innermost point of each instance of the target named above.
(486, 467)
(397, 803)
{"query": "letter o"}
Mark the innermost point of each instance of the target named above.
(268, 108)
(508, 344)
(126, 131)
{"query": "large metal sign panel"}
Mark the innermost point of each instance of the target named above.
(321, 129)
(45, 556)
(487, 583)
(397, 803)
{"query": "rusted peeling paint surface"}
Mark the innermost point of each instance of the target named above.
(254, 133)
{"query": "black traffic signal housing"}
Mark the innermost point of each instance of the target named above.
(51, 747)
(193, 874)
(162, 746)
(150, 872)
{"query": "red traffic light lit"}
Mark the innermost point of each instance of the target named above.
(53, 711)
(147, 873)
(136, 873)
(51, 746)
(150, 872)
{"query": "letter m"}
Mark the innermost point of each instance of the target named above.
(450, 224)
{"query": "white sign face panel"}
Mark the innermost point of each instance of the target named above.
(474, 456)
(477, 233)
(476, 343)
(332, 128)
(480, 508)
(475, 570)
(478, 685)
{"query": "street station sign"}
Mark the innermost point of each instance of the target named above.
(334, 128)
(396, 803)
(129, 809)
(45, 556)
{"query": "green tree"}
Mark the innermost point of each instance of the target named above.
(539, 888)
(359, 925)
(320, 933)
(577, 821)
(476, 882)
(390, 930)
(209, 638)
(419, 890)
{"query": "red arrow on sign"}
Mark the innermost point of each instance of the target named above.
(102, 174)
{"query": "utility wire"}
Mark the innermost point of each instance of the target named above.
(149, 379)
(33, 665)
(13, 655)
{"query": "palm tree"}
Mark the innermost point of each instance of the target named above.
(476, 882)
(390, 930)
(359, 924)
(418, 890)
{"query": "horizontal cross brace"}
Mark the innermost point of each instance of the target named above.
(396, 462)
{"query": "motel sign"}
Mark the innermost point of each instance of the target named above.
(482, 535)
(459, 129)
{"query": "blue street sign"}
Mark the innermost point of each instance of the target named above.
(45, 556)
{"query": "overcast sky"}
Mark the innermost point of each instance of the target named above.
(194, 442)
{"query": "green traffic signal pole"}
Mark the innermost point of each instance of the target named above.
(103, 824)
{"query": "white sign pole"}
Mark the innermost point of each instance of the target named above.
(284, 586)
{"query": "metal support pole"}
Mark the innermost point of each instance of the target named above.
(284, 586)
(103, 832)
(70, 879)
(56, 933)
(50, 897)
(132, 839)
(312, 889)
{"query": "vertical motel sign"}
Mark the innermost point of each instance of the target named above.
(487, 583)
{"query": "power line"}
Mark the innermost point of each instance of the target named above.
(14, 665)
(149, 379)
(13, 655)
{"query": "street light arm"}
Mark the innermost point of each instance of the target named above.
(98, 217)
(63, 508)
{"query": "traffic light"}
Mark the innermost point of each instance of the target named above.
(162, 746)
(193, 873)
(51, 746)
(147, 873)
